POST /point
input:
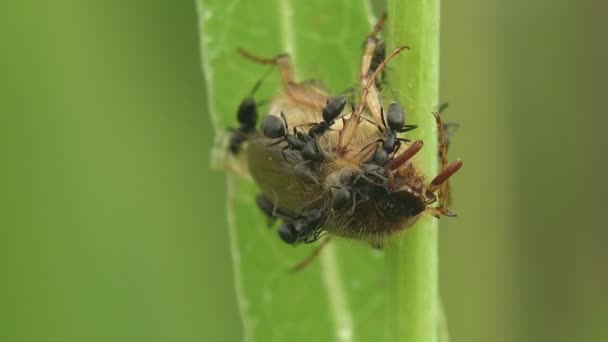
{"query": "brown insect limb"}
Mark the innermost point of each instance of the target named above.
(441, 181)
(370, 80)
(370, 46)
(374, 105)
(282, 61)
(379, 25)
(444, 189)
(443, 142)
(350, 125)
(347, 133)
(371, 144)
(298, 92)
(382, 65)
(368, 54)
(445, 174)
(439, 211)
(311, 257)
(401, 159)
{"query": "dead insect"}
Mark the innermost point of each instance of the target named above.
(354, 177)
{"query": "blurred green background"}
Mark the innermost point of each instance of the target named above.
(112, 224)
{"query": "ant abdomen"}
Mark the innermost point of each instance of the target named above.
(395, 116)
(272, 127)
(334, 108)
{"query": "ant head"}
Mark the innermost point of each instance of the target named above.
(273, 127)
(395, 116)
(334, 108)
(287, 233)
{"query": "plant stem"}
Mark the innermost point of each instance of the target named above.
(412, 261)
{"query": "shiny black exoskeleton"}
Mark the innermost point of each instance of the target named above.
(274, 127)
(269, 209)
(359, 186)
(331, 111)
(304, 228)
(247, 116)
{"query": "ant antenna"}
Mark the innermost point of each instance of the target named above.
(382, 117)
(257, 84)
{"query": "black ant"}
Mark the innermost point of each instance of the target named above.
(394, 123)
(247, 116)
(303, 228)
(331, 111)
(274, 127)
(269, 209)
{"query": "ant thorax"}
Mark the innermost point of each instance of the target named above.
(339, 164)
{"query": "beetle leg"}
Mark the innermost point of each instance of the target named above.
(311, 257)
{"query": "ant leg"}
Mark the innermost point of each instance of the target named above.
(270, 209)
(283, 152)
(315, 236)
(363, 198)
(402, 140)
(310, 258)
(370, 144)
(306, 173)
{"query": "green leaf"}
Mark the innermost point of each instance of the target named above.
(341, 295)
(351, 292)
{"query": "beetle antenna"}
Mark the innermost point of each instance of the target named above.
(405, 156)
(445, 174)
